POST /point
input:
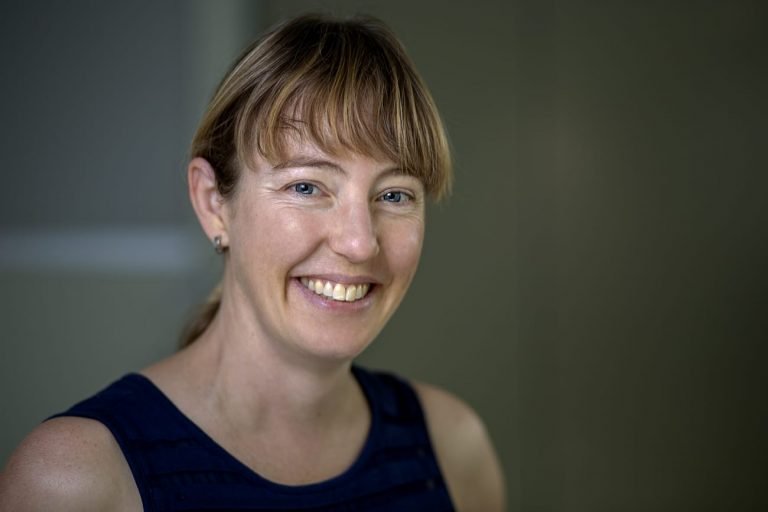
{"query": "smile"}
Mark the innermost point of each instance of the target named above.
(336, 291)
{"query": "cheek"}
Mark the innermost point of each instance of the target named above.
(403, 247)
(287, 234)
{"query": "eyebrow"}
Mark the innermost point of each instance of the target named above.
(320, 163)
(307, 161)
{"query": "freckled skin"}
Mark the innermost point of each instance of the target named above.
(307, 220)
(358, 220)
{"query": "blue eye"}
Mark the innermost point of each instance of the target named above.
(393, 197)
(306, 189)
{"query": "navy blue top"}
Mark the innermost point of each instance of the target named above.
(178, 467)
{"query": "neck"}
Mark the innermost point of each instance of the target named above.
(258, 384)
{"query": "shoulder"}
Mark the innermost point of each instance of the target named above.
(464, 451)
(67, 464)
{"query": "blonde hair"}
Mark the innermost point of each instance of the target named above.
(344, 85)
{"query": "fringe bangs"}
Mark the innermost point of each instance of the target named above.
(347, 93)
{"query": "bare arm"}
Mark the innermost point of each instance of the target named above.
(465, 452)
(68, 464)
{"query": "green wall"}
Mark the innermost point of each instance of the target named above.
(596, 286)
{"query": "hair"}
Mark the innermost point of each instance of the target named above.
(344, 85)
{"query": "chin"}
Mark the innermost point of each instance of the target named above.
(336, 348)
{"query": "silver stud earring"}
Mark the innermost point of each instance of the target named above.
(217, 245)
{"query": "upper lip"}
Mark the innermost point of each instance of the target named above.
(342, 278)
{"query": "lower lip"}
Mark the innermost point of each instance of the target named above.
(329, 304)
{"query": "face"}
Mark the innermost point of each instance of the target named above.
(322, 249)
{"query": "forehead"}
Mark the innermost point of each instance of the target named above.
(300, 152)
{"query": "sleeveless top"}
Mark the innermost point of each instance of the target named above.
(178, 467)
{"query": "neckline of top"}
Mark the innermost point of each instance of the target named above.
(363, 380)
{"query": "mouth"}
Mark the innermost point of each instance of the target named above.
(336, 291)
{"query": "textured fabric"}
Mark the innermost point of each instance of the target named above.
(177, 467)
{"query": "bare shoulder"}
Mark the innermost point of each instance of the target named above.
(464, 450)
(68, 464)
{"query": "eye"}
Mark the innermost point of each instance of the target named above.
(303, 188)
(395, 196)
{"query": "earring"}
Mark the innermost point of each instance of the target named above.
(217, 245)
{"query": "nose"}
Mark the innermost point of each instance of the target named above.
(353, 234)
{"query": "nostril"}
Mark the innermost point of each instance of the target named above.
(355, 239)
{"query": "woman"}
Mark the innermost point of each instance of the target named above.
(310, 173)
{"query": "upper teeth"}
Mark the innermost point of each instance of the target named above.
(336, 291)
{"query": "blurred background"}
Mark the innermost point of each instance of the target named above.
(596, 287)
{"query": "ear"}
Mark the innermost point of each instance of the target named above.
(206, 200)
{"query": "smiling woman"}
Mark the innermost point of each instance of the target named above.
(325, 219)
(310, 173)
